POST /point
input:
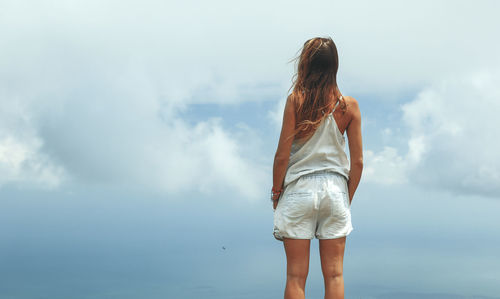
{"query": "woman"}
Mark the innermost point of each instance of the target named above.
(313, 180)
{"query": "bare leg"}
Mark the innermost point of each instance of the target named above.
(332, 263)
(297, 267)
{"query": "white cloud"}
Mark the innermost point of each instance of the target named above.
(385, 167)
(21, 161)
(453, 134)
(125, 136)
(22, 164)
(209, 158)
(84, 101)
(453, 142)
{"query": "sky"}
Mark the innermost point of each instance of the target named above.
(137, 140)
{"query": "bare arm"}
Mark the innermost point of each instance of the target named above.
(282, 156)
(355, 149)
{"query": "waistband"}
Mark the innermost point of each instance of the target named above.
(322, 173)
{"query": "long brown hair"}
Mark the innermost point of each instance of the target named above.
(314, 85)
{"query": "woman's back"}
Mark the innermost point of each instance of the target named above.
(323, 151)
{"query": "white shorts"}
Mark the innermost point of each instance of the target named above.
(315, 205)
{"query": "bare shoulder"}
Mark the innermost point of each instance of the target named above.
(290, 98)
(352, 106)
(353, 113)
(351, 101)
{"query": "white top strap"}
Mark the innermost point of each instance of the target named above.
(336, 104)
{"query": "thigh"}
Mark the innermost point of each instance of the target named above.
(332, 255)
(297, 256)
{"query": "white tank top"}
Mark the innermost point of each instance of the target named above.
(323, 151)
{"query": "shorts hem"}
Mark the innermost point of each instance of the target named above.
(280, 237)
(335, 236)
